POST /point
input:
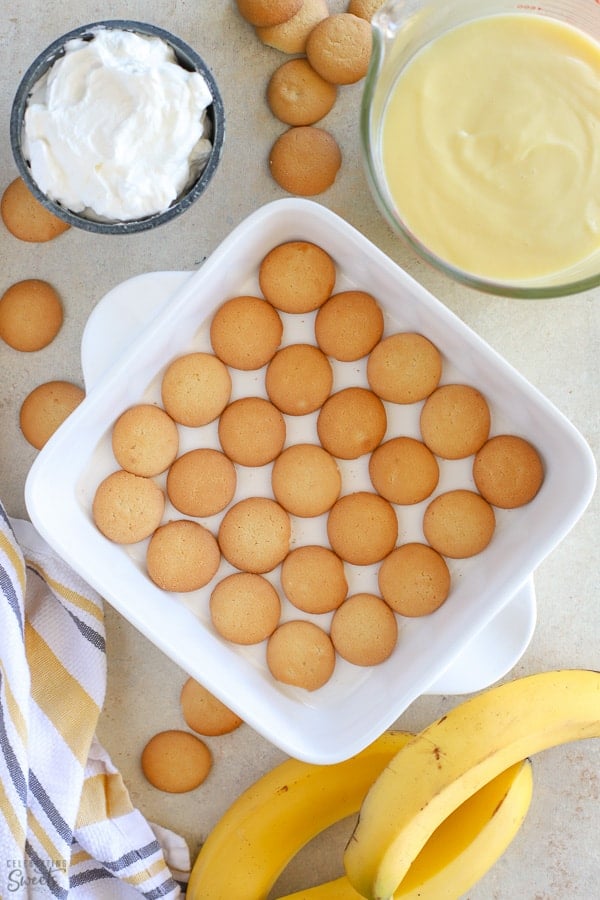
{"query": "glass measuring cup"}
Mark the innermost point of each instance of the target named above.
(402, 28)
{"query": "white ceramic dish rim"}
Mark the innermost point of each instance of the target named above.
(342, 718)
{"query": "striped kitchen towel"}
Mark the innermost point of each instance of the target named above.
(68, 828)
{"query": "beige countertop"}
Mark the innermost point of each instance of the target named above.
(555, 344)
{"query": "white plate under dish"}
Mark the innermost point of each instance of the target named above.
(488, 618)
(117, 320)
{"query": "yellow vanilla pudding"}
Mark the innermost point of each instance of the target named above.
(491, 147)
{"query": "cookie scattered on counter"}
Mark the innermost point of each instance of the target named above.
(176, 761)
(299, 379)
(46, 408)
(404, 368)
(26, 218)
(329, 50)
(127, 508)
(414, 580)
(349, 325)
(182, 556)
(245, 332)
(201, 482)
(291, 36)
(301, 654)
(297, 276)
(364, 630)
(31, 315)
(459, 524)
(205, 713)
(145, 440)
(508, 471)
(404, 471)
(455, 421)
(362, 528)
(313, 579)
(305, 160)
(297, 95)
(306, 480)
(245, 608)
(339, 48)
(366, 9)
(268, 12)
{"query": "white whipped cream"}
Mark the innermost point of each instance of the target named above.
(117, 127)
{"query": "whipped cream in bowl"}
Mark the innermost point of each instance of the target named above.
(117, 127)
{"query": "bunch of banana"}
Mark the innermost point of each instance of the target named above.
(453, 758)
(461, 850)
(436, 809)
(280, 813)
(277, 815)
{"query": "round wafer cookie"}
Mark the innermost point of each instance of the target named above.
(305, 160)
(362, 528)
(252, 431)
(26, 218)
(297, 95)
(182, 556)
(459, 523)
(297, 276)
(201, 482)
(306, 480)
(508, 471)
(176, 761)
(349, 325)
(301, 654)
(351, 422)
(414, 580)
(291, 36)
(205, 713)
(313, 579)
(145, 440)
(265, 13)
(403, 470)
(31, 315)
(364, 630)
(245, 332)
(455, 421)
(299, 379)
(366, 9)
(196, 388)
(45, 409)
(404, 368)
(245, 608)
(127, 508)
(254, 535)
(339, 48)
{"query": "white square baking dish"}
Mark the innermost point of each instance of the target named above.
(358, 703)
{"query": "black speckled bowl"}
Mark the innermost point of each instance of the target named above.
(188, 58)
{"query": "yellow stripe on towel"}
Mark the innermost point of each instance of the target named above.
(80, 857)
(103, 797)
(14, 710)
(73, 597)
(10, 817)
(151, 871)
(14, 557)
(51, 851)
(60, 696)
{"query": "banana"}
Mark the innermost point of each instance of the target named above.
(275, 817)
(453, 758)
(461, 849)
